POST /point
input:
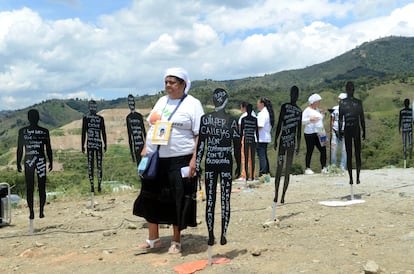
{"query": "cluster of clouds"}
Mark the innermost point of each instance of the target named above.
(127, 50)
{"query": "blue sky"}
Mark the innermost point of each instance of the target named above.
(88, 10)
(108, 49)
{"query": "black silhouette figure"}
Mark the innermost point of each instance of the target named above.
(34, 139)
(217, 135)
(250, 131)
(93, 129)
(352, 114)
(136, 131)
(405, 128)
(289, 127)
(237, 157)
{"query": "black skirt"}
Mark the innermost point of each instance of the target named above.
(169, 198)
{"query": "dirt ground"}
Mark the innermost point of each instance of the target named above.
(307, 237)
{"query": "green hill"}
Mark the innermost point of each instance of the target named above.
(382, 71)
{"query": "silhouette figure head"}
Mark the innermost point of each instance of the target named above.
(294, 94)
(33, 116)
(407, 102)
(131, 102)
(249, 109)
(220, 98)
(350, 89)
(92, 107)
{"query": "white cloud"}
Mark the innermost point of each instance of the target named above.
(130, 48)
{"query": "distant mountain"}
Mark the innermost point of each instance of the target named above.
(378, 59)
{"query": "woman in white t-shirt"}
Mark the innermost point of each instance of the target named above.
(265, 123)
(167, 199)
(314, 132)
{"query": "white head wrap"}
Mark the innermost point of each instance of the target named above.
(180, 73)
(342, 96)
(314, 98)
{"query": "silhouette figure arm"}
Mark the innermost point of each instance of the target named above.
(84, 129)
(201, 138)
(49, 151)
(298, 135)
(130, 137)
(19, 153)
(362, 121)
(400, 122)
(103, 133)
(279, 126)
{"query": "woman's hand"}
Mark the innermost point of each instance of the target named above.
(144, 151)
(314, 119)
(192, 165)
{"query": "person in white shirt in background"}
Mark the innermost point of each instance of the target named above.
(312, 119)
(265, 122)
(336, 141)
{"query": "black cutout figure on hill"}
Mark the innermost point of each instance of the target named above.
(217, 135)
(352, 114)
(136, 131)
(405, 128)
(93, 129)
(289, 127)
(250, 131)
(34, 139)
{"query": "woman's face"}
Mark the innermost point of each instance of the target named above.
(260, 105)
(316, 104)
(242, 108)
(173, 87)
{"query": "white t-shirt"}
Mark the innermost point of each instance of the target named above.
(335, 115)
(312, 127)
(185, 125)
(263, 122)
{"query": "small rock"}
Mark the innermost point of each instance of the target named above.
(107, 233)
(132, 226)
(38, 244)
(257, 252)
(371, 267)
(28, 253)
(269, 224)
(360, 231)
(408, 237)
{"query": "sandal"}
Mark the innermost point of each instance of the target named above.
(175, 248)
(150, 244)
